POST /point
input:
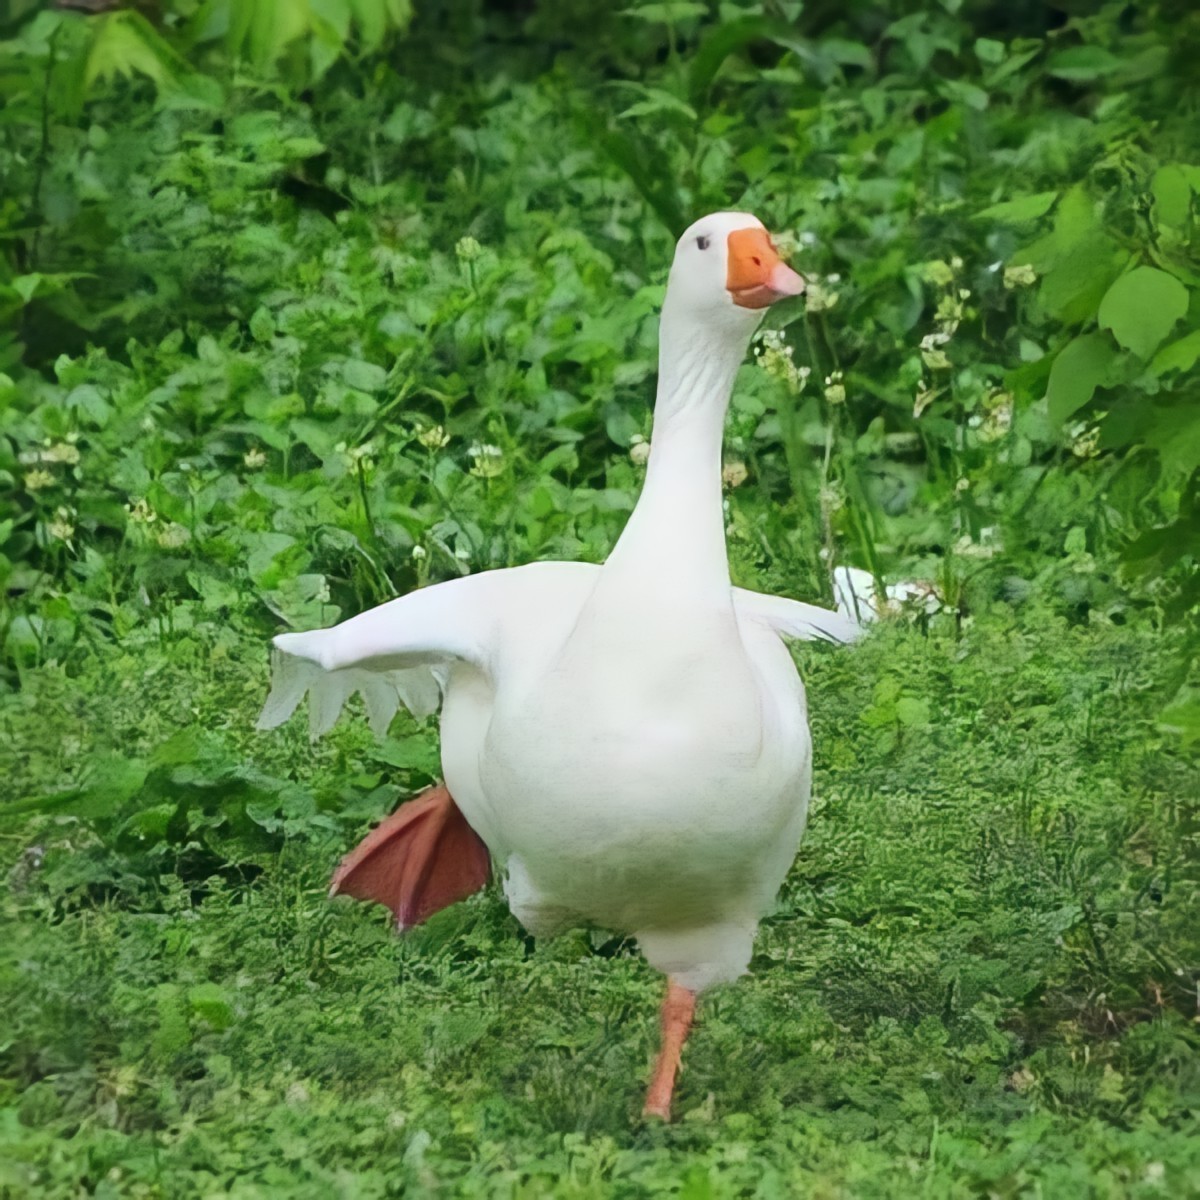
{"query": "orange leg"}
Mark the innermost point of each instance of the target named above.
(678, 1008)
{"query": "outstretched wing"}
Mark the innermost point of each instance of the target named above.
(401, 653)
(396, 654)
(796, 620)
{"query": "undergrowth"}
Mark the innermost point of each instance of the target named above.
(306, 305)
(980, 978)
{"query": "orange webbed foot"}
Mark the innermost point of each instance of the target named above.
(419, 860)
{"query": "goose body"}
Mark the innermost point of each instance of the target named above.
(630, 741)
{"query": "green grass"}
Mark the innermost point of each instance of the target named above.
(979, 981)
(286, 330)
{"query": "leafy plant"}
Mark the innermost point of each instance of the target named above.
(305, 305)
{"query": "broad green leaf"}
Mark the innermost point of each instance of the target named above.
(126, 43)
(108, 784)
(658, 100)
(1010, 66)
(1140, 308)
(26, 285)
(1175, 434)
(989, 51)
(1179, 355)
(1172, 196)
(1020, 210)
(371, 19)
(364, 376)
(408, 754)
(262, 325)
(1075, 217)
(1080, 367)
(847, 53)
(265, 27)
(1079, 275)
(912, 711)
(335, 16)
(150, 825)
(1080, 64)
(173, 1034)
(959, 91)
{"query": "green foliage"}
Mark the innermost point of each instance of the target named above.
(980, 976)
(304, 305)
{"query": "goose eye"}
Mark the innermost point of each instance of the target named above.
(703, 242)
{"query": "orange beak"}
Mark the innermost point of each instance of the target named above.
(757, 276)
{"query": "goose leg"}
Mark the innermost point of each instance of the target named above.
(678, 1008)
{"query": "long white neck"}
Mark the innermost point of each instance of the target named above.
(675, 537)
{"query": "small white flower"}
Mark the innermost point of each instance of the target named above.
(949, 311)
(831, 499)
(639, 450)
(774, 355)
(433, 437)
(468, 249)
(38, 479)
(819, 298)
(62, 527)
(254, 458)
(418, 553)
(734, 474)
(1022, 275)
(835, 390)
(61, 452)
(488, 461)
(1085, 441)
(171, 536)
(966, 547)
(938, 272)
(997, 416)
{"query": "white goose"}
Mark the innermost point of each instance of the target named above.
(629, 742)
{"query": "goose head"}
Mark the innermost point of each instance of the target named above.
(726, 273)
